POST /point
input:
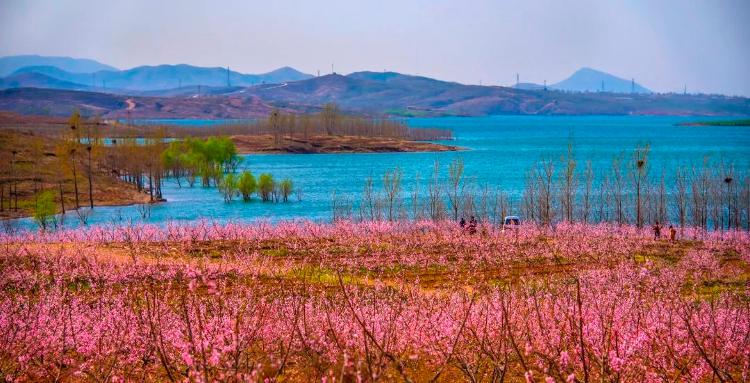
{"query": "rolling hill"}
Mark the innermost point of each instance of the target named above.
(369, 93)
(38, 80)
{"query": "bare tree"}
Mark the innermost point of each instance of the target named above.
(680, 196)
(640, 175)
(274, 120)
(416, 206)
(330, 117)
(392, 187)
(588, 180)
(569, 185)
(367, 206)
(435, 194)
(700, 188)
(455, 185)
(618, 189)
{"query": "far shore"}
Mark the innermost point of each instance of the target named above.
(738, 122)
(334, 144)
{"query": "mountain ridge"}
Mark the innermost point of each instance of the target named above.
(165, 76)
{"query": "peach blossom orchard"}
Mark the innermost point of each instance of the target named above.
(374, 302)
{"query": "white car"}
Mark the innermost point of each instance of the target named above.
(511, 222)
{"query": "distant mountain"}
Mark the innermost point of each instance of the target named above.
(37, 80)
(592, 80)
(163, 77)
(10, 64)
(282, 74)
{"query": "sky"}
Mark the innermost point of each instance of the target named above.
(664, 44)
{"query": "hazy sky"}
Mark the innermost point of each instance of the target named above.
(663, 44)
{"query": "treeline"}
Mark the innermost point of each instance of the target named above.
(628, 191)
(330, 121)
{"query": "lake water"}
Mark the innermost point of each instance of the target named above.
(500, 150)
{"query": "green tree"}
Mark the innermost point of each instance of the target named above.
(44, 209)
(266, 185)
(286, 187)
(247, 185)
(228, 186)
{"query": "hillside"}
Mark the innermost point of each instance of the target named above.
(394, 93)
(366, 93)
(52, 102)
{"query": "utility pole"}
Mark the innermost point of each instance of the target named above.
(518, 78)
(632, 85)
(684, 90)
(602, 85)
(318, 72)
(545, 84)
(332, 72)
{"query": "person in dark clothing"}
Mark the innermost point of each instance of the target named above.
(657, 230)
(672, 233)
(462, 223)
(472, 225)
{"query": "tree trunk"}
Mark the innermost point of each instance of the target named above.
(91, 187)
(75, 182)
(62, 197)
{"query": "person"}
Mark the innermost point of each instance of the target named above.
(657, 230)
(462, 223)
(672, 233)
(472, 225)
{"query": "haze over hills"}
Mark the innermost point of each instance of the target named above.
(142, 78)
(10, 64)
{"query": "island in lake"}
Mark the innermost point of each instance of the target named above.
(742, 122)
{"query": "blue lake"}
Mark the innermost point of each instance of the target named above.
(500, 150)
